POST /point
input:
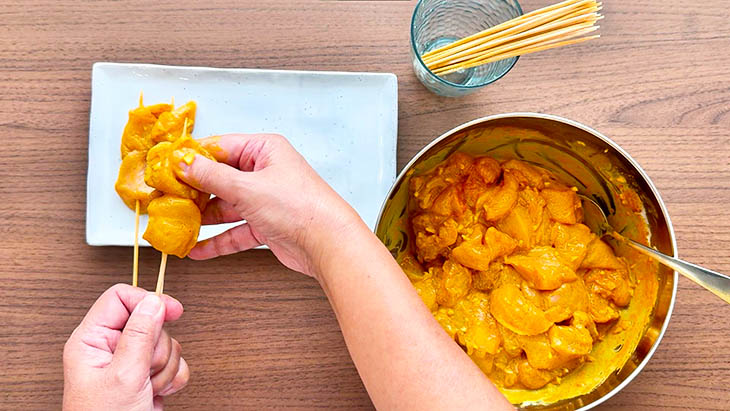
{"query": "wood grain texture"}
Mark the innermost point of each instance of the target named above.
(259, 336)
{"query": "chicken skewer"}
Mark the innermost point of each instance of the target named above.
(130, 184)
(149, 182)
(163, 260)
(135, 265)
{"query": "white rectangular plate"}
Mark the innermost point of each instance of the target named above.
(345, 125)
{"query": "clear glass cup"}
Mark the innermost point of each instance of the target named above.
(436, 23)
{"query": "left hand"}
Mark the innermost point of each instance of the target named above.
(119, 358)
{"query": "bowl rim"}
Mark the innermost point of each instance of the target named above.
(615, 146)
(414, 49)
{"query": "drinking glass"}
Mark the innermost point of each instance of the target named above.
(437, 23)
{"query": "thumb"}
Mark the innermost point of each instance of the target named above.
(210, 177)
(132, 359)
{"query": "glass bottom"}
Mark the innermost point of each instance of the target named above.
(459, 77)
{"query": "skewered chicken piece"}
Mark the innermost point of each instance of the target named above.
(169, 125)
(130, 185)
(174, 221)
(162, 162)
(173, 226)
(142, 120)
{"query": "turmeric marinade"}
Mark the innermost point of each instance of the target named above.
(504, 263)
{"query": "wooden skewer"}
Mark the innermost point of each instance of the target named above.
(163, 261)
(161, 275)
(554, 26)
(496, 32)
(135, 260)
(503, 26)
(526, 49)
(519, 52)
(564, 33)
(532, 33)
(135, 264)
(553, 37)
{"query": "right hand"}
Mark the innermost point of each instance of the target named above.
(119, 357)
(261, 178)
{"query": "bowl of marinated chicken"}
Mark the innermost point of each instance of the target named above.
(488, 223)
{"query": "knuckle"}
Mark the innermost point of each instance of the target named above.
(277, 140)
(217, 244)
(226, 244)
(275, 137)
(138, 331)
(239, 185)
(116, 288)
(69, 347)
(176, 348)
(67, 350)
(182, 377)
(119, 286)
(165, 352)
(215, 212)
(203, 173)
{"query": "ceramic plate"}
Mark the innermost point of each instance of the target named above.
(345, 125)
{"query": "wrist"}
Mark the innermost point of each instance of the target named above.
(329, 243)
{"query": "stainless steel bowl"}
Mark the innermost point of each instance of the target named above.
(580, 156)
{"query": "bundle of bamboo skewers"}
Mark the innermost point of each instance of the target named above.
(558, 25)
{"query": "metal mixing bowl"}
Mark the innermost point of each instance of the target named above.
(579, 156)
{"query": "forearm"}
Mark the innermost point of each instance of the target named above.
(404, 358)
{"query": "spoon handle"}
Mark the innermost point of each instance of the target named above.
(714, 282)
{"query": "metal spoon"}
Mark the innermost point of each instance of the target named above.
(714, 282)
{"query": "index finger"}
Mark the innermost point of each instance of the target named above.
(113, 307)
(246, 152)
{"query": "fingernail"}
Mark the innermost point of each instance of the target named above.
(150, 305)
(178, 158)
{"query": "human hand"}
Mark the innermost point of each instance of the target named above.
(119, 358)
(261, 178)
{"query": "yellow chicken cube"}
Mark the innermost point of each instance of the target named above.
(510, 307)
(498, 201)
(169, 125)
(479, 251)
(455, 283)
(136, 135)
(163, 167)
(130, 185)
(542, 268)
(563, 204)
(173, 225)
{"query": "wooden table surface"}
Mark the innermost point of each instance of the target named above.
(259, 336)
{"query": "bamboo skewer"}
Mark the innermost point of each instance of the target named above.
(135, 259)
(518, 53)
(519, 48)
(135, 263)
(565, 33)
(161, 275)
(572, 23)
(503, 26)
(554, 26)
(490, 34)
(163, 261)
